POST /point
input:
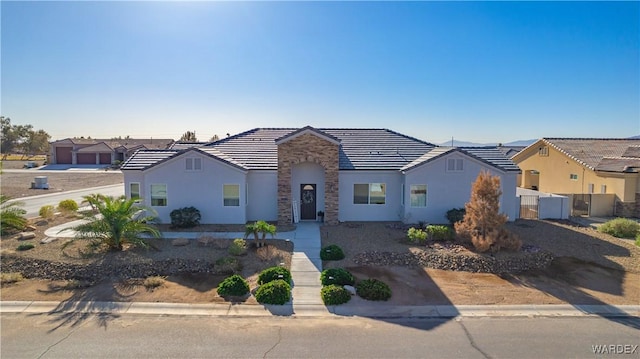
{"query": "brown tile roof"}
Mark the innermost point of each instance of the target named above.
(599, 154)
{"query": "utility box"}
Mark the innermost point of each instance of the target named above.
(40, 182)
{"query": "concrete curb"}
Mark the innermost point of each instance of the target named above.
(315, 310)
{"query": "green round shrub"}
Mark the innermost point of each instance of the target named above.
(234, 285)
(238, 247)
(274, 292)
(337, 276)
(68, 206)
(620, 227)
(334, 294)
(331, 253)
(185, 217)
(25, 246)
(46, 211)
(274, 273)
(373, 289)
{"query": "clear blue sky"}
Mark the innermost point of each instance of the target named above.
(483, 72)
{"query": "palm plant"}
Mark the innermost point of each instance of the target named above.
(120, 221)
(260, 229)
(11, 216)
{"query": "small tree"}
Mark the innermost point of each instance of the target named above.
(260, 229)
(483, 224)
(189, 136)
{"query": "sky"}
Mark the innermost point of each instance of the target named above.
(474, 71)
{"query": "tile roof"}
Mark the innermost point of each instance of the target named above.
(591, 152)
(185, 145)
(489, 155)
(376, 149)
(360, 149)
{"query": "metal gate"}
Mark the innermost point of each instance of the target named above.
(529, 206)
(581, 204)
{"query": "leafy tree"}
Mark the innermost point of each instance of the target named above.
(11, 216)
(23, 138)
(482, 224)
(121, 221)
(214, 138)
(35, 142)
(189, 137)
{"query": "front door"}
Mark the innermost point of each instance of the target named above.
(308, 201)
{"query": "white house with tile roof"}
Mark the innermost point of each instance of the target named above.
(288, 174)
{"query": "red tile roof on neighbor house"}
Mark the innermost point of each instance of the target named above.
(601, 154)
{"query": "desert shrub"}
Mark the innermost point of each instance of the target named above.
(483, 224)
(228, 265)
(10, 277)
(331, 253)
(185, 217)
(638, 240)
(455, 215)
(25, 246)
(46, 211)
(11, 215)
(439, 233)
(337, 276)
(238, 247)
(620, 227)
(416, 235)
(153, 282)
(334, 294)
(373, 289)
(68, 206)
(234, 285)
(275, 292)
(274, 273)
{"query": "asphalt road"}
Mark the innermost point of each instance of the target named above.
(32, 204)
(132, 336)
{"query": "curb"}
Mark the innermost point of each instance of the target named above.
(315, 310)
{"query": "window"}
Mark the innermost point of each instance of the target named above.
(573, 177)
(134, 190)
(591, 187)
(159, 195)
(369, 193)
(419, 195)
(603, 189)
(454, 165)
(193, 164)
(231, 195)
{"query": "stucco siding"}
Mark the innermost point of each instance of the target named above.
(447, 190)
(202, 189)
(262, 195)
(389, 211)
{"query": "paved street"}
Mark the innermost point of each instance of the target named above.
(32, 204)
(131, 336)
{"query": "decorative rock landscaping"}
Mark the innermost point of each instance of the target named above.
(449, 256)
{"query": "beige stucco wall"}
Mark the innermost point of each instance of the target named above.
(556, 168)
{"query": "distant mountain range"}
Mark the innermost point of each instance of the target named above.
(457, 143)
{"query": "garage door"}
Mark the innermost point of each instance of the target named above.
(86, 158)
(63, 155)
(105, 158)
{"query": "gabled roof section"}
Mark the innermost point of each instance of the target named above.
(590, 152)
(98, 147)
(305, 130)
(632, 151)
(185, 145)
(215, 154)
(492, 156)
(619, 164)
(145, 159)
(360, 149)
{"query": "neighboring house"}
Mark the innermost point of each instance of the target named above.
(82, 151)
(600, 175)
(286, 174)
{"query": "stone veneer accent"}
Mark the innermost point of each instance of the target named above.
(308, 148)
(627, 209)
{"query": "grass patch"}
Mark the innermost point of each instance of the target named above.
(11, 277)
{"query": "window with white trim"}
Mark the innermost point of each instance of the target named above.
(455, 165)
(134, 190)
(543, 151)
(369, 193)
(418, 193)
(603, 188)
(591, 187)
(159, 195)
(231, 195)
(573, 177)
(193, 164)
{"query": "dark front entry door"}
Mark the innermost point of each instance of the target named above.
(307, 201)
